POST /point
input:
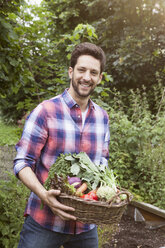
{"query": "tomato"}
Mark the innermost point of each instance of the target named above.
(86, 196)
(90, 196)
(93, 195)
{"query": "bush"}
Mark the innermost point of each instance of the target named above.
(151, 162)
(9, 134)
(13, 196)
(137, 146)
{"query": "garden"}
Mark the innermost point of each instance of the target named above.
(35, 46)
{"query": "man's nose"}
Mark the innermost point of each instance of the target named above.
(87, 76)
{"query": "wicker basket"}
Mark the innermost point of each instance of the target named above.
(96, 212)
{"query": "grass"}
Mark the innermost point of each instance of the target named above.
(9, 134)
(106, 233)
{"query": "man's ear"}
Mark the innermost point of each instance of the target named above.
(70, 72)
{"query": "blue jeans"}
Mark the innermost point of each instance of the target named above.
(34, 235)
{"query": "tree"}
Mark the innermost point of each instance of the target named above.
(133, 35)
(39, 66)
(36, 41)
(10, 50)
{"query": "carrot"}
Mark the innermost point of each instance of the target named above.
(81, 189)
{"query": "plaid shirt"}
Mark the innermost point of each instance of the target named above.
(52, 128)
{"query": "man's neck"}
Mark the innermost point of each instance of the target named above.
(83, 105)
(81, 101)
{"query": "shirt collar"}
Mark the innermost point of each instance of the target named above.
(71, 102)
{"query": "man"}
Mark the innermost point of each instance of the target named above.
(68, 123)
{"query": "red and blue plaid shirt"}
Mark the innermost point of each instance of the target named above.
(52, 128)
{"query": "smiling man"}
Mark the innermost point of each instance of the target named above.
(84, 76)
(68, 123)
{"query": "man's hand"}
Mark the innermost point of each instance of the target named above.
(56, 207)
(28, 177)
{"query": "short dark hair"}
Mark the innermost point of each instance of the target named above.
(87, 48)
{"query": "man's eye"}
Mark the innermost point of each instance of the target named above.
(94, 73)
(81, 70)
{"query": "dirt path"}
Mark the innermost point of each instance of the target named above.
(133, 234)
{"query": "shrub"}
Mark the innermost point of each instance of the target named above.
(151, 162)
(13, 196)
(137, 147)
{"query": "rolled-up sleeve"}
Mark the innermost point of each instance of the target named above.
(32, 141)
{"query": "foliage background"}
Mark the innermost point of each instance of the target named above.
(35, 47)
(13, 197)
(36, 42)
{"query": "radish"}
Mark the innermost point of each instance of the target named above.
(75, 181)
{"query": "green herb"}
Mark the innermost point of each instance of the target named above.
(80, 165)
(61, 167)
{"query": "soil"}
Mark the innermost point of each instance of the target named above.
(133, 234)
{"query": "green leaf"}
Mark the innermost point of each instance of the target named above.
(75, 168)
(69, 158)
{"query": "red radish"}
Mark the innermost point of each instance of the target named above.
(75, 181)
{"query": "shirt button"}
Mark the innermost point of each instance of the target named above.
(79, 116)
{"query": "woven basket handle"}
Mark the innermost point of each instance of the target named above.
(110, 201)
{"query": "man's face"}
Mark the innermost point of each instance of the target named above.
(85, 76)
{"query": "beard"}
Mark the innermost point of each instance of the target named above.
(78, 90)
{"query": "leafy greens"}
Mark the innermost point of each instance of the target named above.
(80, 165)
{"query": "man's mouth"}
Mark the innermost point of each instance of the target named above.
(85, 85)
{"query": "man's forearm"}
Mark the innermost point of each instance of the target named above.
(28, 177)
